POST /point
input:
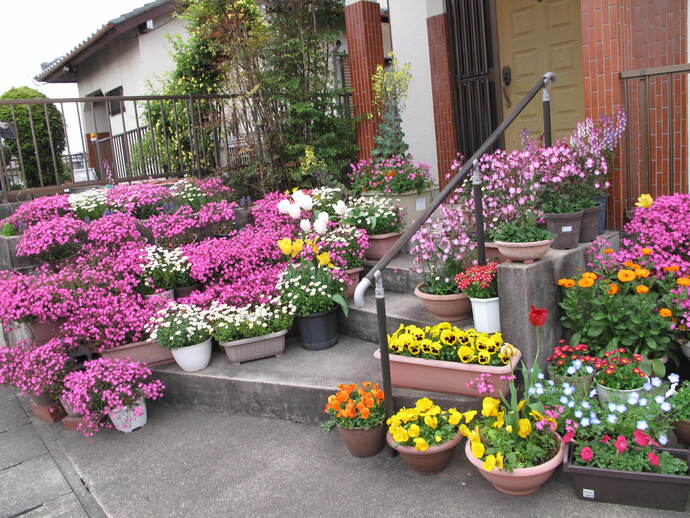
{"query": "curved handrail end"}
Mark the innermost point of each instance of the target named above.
(550, 76)
(360, 290)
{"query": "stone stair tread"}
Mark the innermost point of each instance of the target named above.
(292, 386)
(400, 262)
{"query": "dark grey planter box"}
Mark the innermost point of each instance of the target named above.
(8, 255)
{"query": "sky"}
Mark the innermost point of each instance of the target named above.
(37, 31)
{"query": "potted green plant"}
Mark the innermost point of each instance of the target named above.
(445, 358)
(515, 446)
(441, 249)
(680, 402)
(164, 271)
(185, 330)
(347, 246)
(522, 239)
(619, 375)
(358, 413)
(480, 283)
(251, 332)
(573, 365)
(426, 436)
(381, 218)
(316, 293)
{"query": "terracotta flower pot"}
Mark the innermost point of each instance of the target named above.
(682, 431)
(353, 274)
(431, 461)
(43, 399)
(363, 443)
(524, 252)
(493, 253)
(522, 481)
(186, 291)
(589, 227)
(239, 351)
(445, 307)
(444, 376)
(149, 352)
(566, 227)
(656, 490)
(43, 332)
(379, 244)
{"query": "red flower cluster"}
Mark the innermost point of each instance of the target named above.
(483, 275)
(612, 360)
(564, 352)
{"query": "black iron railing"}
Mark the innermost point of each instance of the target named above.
(471, 165)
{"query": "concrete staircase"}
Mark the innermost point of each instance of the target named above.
(295, 385)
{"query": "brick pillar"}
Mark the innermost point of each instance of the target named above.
(365, 49)
(442, 91)
(607, 51)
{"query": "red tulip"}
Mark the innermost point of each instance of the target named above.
(537, 316)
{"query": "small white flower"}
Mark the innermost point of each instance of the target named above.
(659, 399)
(643, 402)
(666, 406)
(642, 425)
(673, 378)
(584, 422)
(656, 382)
(663, 439)
(612, 418)
(647, 386)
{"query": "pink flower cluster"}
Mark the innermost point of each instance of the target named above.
(482, 384)
(49, 238)
(392, 175)
(141, 200)
(40, 369)
(107, 385)
(174, 229)
(40, 209)
(214, 189)
(217, 215)
(112, 230)
(266, 214)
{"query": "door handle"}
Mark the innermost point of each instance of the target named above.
(507, 77)
(505, 94)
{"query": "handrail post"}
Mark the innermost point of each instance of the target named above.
(478, 212)
(379, 294)
(546, 104)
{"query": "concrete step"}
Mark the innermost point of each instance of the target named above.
(294, 386)
(401, 308)
(399, 275)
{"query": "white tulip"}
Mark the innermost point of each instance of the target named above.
(321, 226)
(340, 208)
(322, 216)
(304, 201)
(283, 206)
(305, 225)
(294, 211)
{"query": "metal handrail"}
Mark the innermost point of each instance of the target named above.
(366, 282)
(472, 164)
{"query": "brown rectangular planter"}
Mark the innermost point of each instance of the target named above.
(148, 352)
(446, 377)
(8, 255)
(412, 202)
(630, 487)
(254, 348)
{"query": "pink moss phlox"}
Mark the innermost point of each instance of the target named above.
(40, 209)
(51, 235)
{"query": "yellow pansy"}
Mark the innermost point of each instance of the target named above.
(645, 201)
(454, 419)
(483, 357)
(448, 337)
(464, 430)
(469, 415)
(477, 449)
(489, 463)
(400, 435)
(413, 430)
(285, 246)
(509, 428)
(421, 444)
(466, 354)
(500, 421)
(524, 428)
(499, 460)
(431, 422)
(490, 406)
(434, 410)
(423, 404)
(438, 438)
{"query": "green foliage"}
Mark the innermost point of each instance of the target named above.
(390, 91)
(634, 458)
(521, 231)
(312, 289)
(24, 136)
(537, 448)
(8, 230)
(680, 401)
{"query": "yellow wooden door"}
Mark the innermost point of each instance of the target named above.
(537, 37)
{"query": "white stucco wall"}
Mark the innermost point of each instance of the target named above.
(410, 45)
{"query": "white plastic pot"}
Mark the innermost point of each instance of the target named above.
(128, 419)
(486, 315)
(193, 357)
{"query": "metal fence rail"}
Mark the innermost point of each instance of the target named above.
(656, 139)
(121, 138)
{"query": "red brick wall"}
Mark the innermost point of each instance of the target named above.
(623, 35)
(365, 49)
(442, 94)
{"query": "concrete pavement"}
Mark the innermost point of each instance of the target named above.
(190, 463)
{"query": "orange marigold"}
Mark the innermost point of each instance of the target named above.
(585, 282)
(665, 312)
(613, 289)
(608, 250)
(630, 265)
(646, 251)
(589, 275)
(642, 289)
(683, 281)
(672, 268)
(626, 275)
(643, 273)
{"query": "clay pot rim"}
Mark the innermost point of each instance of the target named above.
(314, 315)
(430, 296)
(563, 215)
(380, 425)
(529, 244)
(354, 270)
(436, 448)
(592, 210)
(243, 341)
(473, 367)
(549, 465)
(385, 236)
(392, 194)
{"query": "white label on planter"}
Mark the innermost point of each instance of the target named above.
(567, 229)
(420, 204)
(587, 493)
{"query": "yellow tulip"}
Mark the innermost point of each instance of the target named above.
(645, 201)
(324, 259)
(297, 246)
(285, 246)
